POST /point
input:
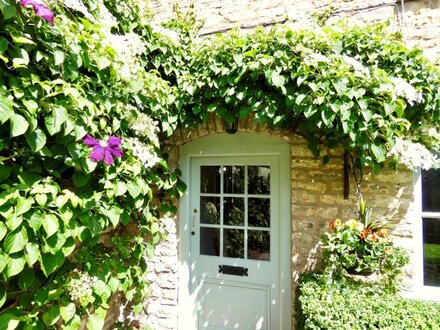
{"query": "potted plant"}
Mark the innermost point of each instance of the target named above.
(361, 246)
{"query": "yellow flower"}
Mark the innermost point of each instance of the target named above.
(338, 223)
(352, 223)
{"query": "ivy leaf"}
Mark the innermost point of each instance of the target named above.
(133, 189)
(15, 241)
(2, 295)
(26, 279)
(36, 139)
(23, 205)
(80, 179)
(18, 125)
(51, 262)
(277, 79)
(8, 11)
(32, 253)
(3, 230)
(14, 221)
(35, 220)
(379, 152)
(58, 57)
(8, 321)
(51, 316)
(15, 264)
(120, 188)
(68, 312)
(96, 320)
(5, 109)
(50, 224)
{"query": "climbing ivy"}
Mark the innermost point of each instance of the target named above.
(359, 88)
(88, 91)
(78, 217)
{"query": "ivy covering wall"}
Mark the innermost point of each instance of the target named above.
(88, 91)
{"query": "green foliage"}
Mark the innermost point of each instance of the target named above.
(59, 83)
(337, 86)
(345, 305)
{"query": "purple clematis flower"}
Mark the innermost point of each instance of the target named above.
(106, 150)
(40, 10)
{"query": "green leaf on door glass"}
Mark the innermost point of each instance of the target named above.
(18, 125)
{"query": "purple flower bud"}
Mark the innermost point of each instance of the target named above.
(40, 10)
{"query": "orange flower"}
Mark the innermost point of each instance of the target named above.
(374, 237)
(382, 232)
(367, 231)
(332, 225)
(362, 234)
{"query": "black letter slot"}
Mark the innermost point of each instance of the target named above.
(233, 270)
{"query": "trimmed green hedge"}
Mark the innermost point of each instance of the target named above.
(360, 306)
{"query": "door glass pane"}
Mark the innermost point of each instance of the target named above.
(259, 180)
(233, 179)
(259, 212)
(210, 179)
(209, 241)
(431, 191)
(210, 210)
(233, 211)
(258, 245)
(431, 251)
(233, 243)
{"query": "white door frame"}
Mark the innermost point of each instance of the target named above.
(244, 144)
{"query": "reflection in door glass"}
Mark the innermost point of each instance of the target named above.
(210, 179)
(259, 212)
(233, 179)
(233, 211)
(233, 243)
(209, 241)
(259, 180)
(210, 210)
(258, 245)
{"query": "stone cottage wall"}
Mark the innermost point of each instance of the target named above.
(316, 190)
(316, 198)
(418, 20)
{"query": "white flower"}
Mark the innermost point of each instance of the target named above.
(315, 58)
(144, 153)
(171, 35)
(359, 69)
(80, 287)
(146, 127)
(404, 89)
(414, 155)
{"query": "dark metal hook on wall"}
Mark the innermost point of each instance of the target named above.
(349, 166)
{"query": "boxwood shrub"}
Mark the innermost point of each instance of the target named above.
(345, 305)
